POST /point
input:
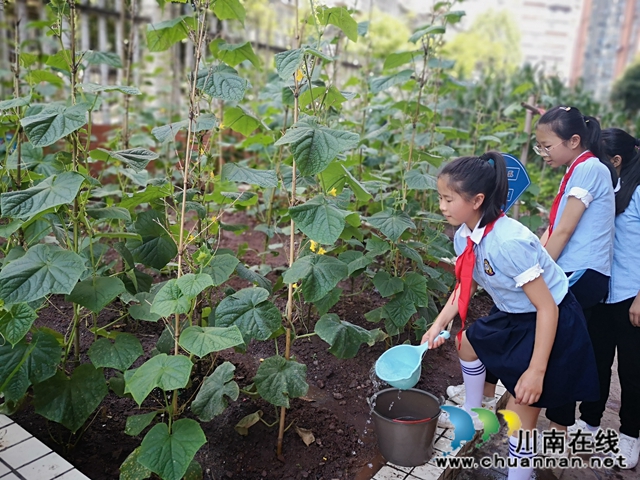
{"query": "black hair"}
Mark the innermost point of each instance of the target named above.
(616, 141)
(566, 122)
(486, 174)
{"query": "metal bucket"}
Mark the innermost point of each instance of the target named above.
(405, 423)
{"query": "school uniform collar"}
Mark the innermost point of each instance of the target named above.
(476, 235)
(592, 156)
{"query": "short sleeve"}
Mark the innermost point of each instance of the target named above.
(581, 194)
(518, 259)
(590, 178)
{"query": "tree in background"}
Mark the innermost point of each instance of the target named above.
(626, 90)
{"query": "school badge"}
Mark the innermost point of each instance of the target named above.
(488, 269)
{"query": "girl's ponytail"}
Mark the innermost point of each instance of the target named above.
(594, 143)
(496, 199)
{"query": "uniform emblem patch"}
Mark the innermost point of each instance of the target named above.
(488, 269)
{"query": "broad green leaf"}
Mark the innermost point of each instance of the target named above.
(202, 341)
(340, 17)
(137, 423)
(38, 76)
(60, 60)
(170, 300)
(288, 62)
(221, 268)
(241, 198)
(399, 311)
(396, 59)
(386, 284)
(103, 58)
(410, 253)
(428, 30)
(161, 36)
(229, 10)
(415, 289)
(359, 190)
(142, 311)
(242, 120)
(119, 355)
(43, 270)
(95, 88)
(15, 323)
(254, 277)
(329, 300)
(71, 401)
(52, 192)
(53, 123)
(109, 213)
(237, 173)
(315, 146)
(131, 469)
(251, 312)
(167, 372)
(344, 338)
(14, 376)
(136, 158)
(147, 195)
(15, 103)
(169, 131)
(279, 380)
(363, 28)
(192, 284)
(157, 247)
(169, 454)
(232, 54)
(319, 273)
(223, 82)
(379, 84)
(319, 219)
(392, 223)
(210, 401)
(359, 263)
(10, 228)
(44, 357)
(417, 180)
(95, 293)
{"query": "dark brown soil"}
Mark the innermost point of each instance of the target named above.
(335, 408)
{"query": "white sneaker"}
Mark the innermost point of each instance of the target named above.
(444, 422)
(457, 395)
(581, 426)
(630, 450)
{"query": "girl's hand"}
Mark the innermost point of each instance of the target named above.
(529, 387)
(634, 312)
(431, 336)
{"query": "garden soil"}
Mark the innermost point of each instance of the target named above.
(335, 410)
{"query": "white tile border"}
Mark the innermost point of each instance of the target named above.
(25, 452)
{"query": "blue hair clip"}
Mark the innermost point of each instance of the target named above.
(491, 162)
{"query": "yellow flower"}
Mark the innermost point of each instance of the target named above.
(333, 192)
(221, 126)
(212, 175)
(191, 238)
(299, 75)
(214, 219)
(314, 246)
(294, 285)
(322, 251)
(201, 151)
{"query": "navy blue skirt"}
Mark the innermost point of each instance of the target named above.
(504, 343)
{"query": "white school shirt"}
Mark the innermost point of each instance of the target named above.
(591, 245)
(506, 259)
(625, 269)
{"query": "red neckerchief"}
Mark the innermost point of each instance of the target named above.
(464, 275)
(563, 185)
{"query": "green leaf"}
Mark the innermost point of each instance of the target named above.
(340, 17)
(242, 120)
(169, 131)
(379, 84)
(254, 277)
(157, 247)
(170, 300)
(355, 260)
(396, 59)
(232, 54)
(53, 123)
(315, 146)
(221, 267)
(193, 284)
(237, 173)
(71, 401)
(229, 10)
(201, 341)
(329, 300)
(45, 356)
(162, 371)
(119, 355)
(279, 380)
(223, 82)
(428, 30)
(43, 270)
(417, 180)
(136, 158)
(386, 284)
(415, 289)
(109, 213)
(46, 76)
(399, 311)
(319, 274)
(250, 311)
(137, 423)
(147, 195)
(131, 469)
(14, 103)
(319, 219)
(210, 401)
(142, 311)
(392, 223)
(15, 323)
(52, 192)
(95, 88)
(344, 338)
(103, 58)
(161, 36)
(169, 454)
(288, 62)
(95, 293)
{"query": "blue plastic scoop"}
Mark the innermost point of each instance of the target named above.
(401, 365)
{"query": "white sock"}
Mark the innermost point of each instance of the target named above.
(519, 473)
(473, 374)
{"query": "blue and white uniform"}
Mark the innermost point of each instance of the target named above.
(509, 257)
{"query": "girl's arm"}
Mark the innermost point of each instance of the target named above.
(566, 226)
(545, 237)
(529, 386)
(634, 312)
(446, 315)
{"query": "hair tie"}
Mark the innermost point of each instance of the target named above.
(585, 119)
(491, 162)
(488, 159)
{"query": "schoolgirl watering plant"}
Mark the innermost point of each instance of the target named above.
(535, 340)
(615, 324)
(581, 220)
